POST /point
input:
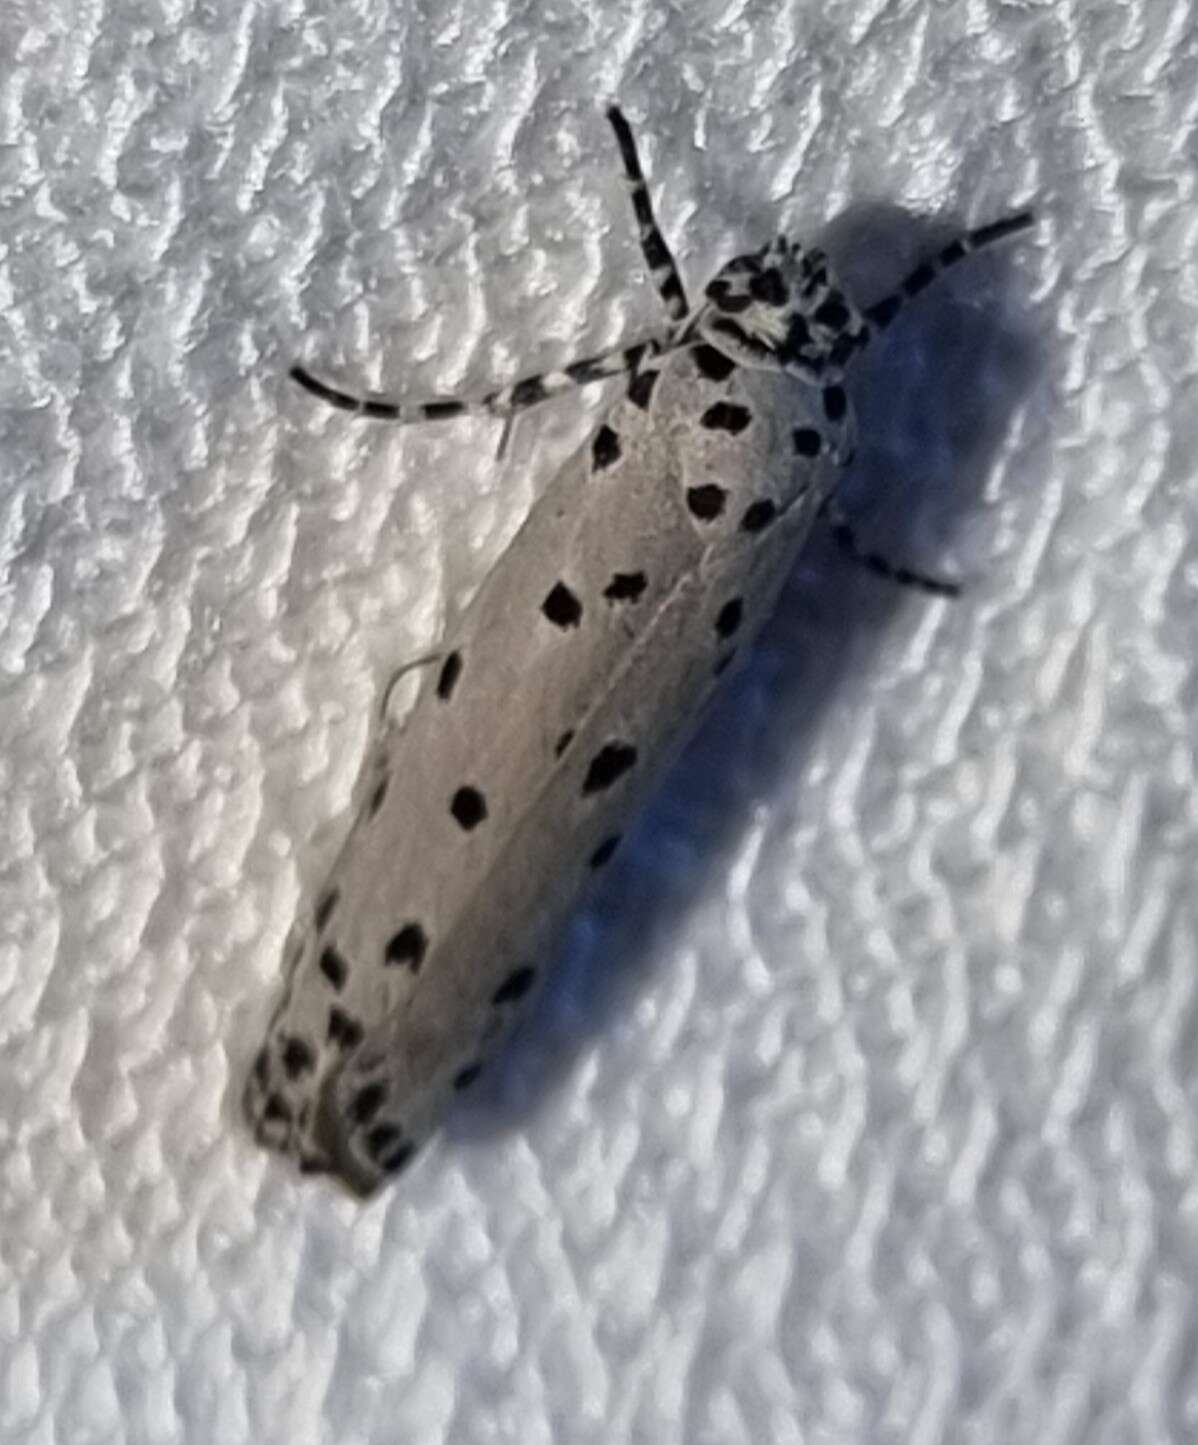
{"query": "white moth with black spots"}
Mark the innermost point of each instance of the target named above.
(576, 674)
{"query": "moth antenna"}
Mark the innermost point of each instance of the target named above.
(505, 402)
(658, 256)
(883, 312)
(876, 562)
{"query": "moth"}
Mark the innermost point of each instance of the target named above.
(572, 680)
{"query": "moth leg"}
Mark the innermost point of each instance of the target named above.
(507, 401)
(402, 672)
(842, 531)
(660, 262)
(883, 312)
(504, 437)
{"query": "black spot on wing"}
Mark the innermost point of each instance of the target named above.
(451, 670)
(465, 1077)
(468, 807)
(835, 402)
(728, 619)
(726, 416)
(605, 851)
(393, 1162)
(625, 586)
(277, 1110)
(406, 948)
(640, 387)
(381, 1139)
(514, 986)
(712, 363)
(562, 607)
(759, 515)
(807, 441)
(706, 502)
(298, 1058)
(324, 909)
(334, 967)
(608, 765)
(376, 798)
(605, 449)
(563, 742)
(344, 1030)
(367, 1102)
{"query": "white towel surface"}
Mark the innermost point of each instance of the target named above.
(861, 1109)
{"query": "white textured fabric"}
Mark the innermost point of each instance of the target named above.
(862, 1108)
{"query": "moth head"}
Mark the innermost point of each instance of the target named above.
(781, 308)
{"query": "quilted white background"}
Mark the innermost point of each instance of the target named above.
(862, 1106)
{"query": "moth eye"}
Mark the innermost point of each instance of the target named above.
(769, 287)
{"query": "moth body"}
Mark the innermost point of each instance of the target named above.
(573, 678)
